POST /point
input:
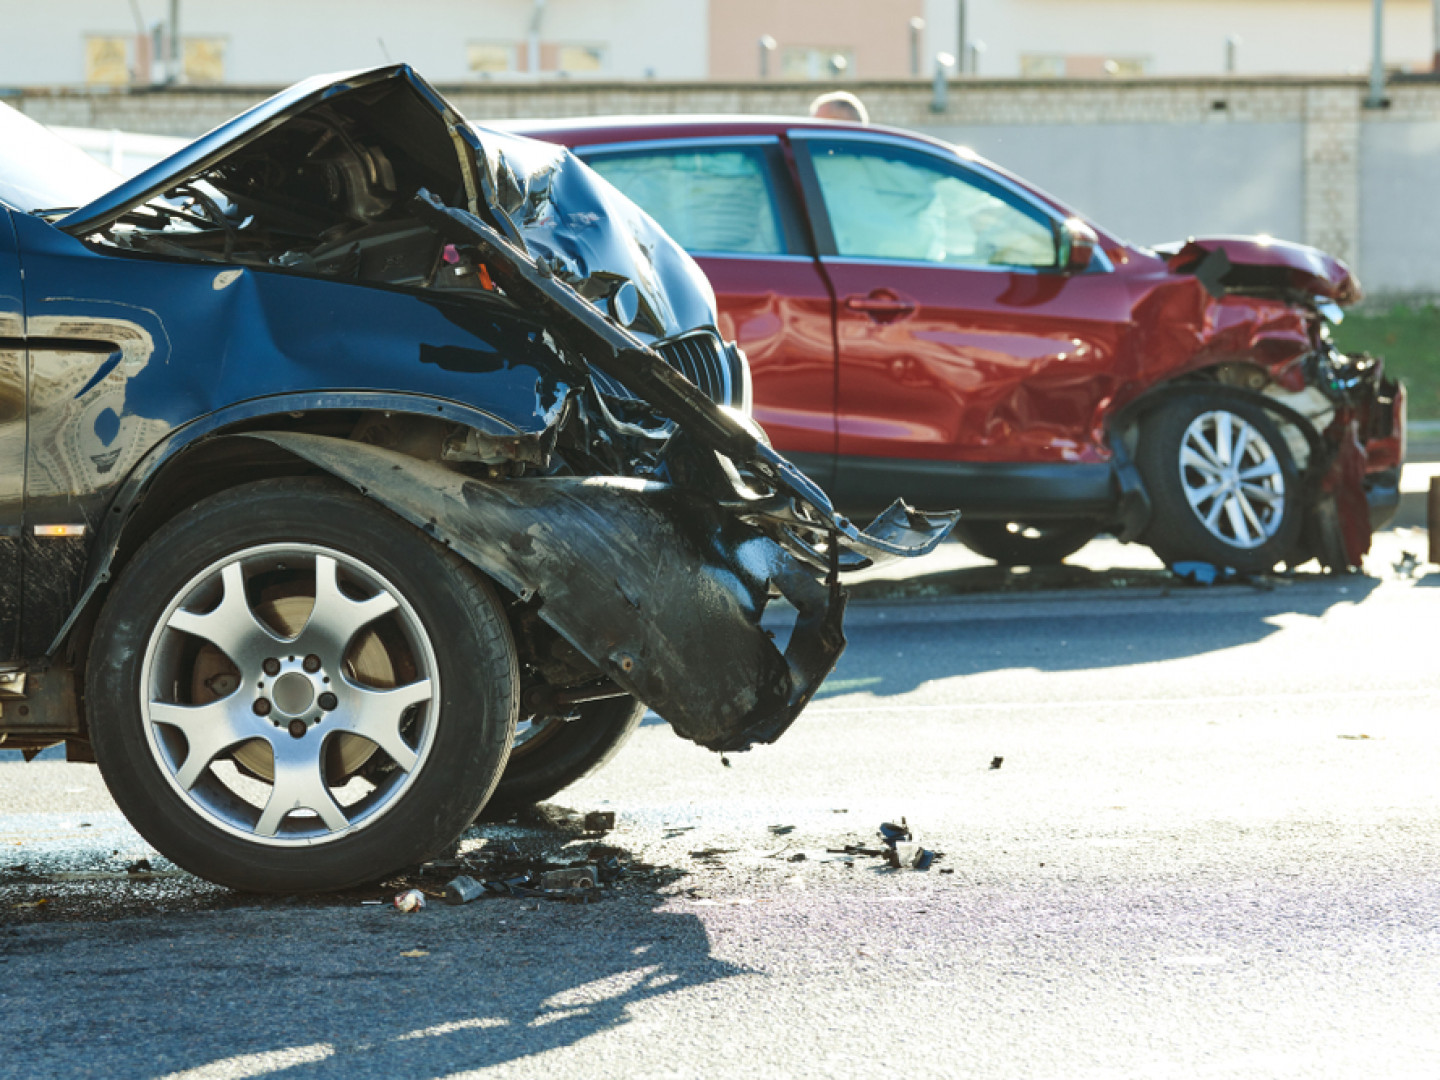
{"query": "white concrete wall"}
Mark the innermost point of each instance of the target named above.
(1399, 215)
(1187, 37)
(277, 42)
(1152, 160)
(1152, 183)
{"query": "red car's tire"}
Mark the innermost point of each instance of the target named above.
(1207, 506)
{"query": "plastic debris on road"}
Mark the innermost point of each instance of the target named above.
(410, 901)
(1204, 573)
(599, 821)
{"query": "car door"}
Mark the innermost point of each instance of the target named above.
(971, 367)
(12, 436)
(731, 204)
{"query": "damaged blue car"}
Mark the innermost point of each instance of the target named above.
(359, 467)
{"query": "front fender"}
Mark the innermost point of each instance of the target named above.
(658, 587)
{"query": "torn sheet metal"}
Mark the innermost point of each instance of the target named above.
(656, 586)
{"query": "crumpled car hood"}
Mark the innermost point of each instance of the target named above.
(517, 184)
(1247, 263)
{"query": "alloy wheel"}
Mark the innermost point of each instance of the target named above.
(290, 694)
(1232, 479)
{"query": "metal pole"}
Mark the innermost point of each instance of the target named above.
(961, 51)
(940, 89)
(1435, 62)
(1232, 53)
(1376, 98)
(767, 49)
(173, 69)
(917, 28)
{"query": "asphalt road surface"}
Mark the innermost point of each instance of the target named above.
(1211, 849)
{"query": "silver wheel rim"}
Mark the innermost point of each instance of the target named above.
(1232, 479)
(342, 746)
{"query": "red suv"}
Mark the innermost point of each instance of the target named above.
(923, 323)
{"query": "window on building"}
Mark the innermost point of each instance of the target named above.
(1042, 66)
(204, 61)
(492, 57)
(814, 62)
(1127, 67)
(711, 201)
(888, 203)
(107, 60)
(580, 59)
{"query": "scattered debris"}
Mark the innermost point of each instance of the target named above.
(599, 821)
(462, 890)
(996, 761)
(892, 833)
(1408, 566)
(574, 877)
(140, 866)
(1357, 736)
(410, 901)
(1203, 573)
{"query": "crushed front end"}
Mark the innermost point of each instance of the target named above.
(637, 517)
(1267, 329)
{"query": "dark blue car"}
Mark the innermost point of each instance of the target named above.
(352, 445)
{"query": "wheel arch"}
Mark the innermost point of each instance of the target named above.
(215, 453)
(1123, 426)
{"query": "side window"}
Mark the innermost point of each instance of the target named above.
(889, 203)
(711, 201)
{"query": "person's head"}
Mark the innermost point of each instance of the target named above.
(839, 105)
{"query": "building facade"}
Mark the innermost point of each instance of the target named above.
(275, 42)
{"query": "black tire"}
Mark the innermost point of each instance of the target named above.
(560, 753)
(1178, 530)
(403, 798)
(1015, 543)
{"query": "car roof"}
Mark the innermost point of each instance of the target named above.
(591, 131)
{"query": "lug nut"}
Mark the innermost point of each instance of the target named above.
(272, 667)
(312, 663)
(298, 728)
(328, 701)
(262, 707)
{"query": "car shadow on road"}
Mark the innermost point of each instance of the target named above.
(1100, 622)
(322, 986)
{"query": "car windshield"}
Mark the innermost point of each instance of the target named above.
(41, 171)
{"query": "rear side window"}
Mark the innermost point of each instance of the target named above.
(712, 202)
(889, 203)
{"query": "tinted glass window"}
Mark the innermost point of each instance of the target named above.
(718, 201)
(889, 203)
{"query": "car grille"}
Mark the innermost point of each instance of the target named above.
(701, 357)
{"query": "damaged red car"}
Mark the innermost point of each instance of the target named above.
(921, 322)
(360, 468)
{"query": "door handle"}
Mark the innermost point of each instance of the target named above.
(882, 305)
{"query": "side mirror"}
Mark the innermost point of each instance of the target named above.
(1077, 245)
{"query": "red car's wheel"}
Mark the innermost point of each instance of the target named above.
(1222, 483)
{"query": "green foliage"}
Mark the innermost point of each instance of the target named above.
(1408, 339)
